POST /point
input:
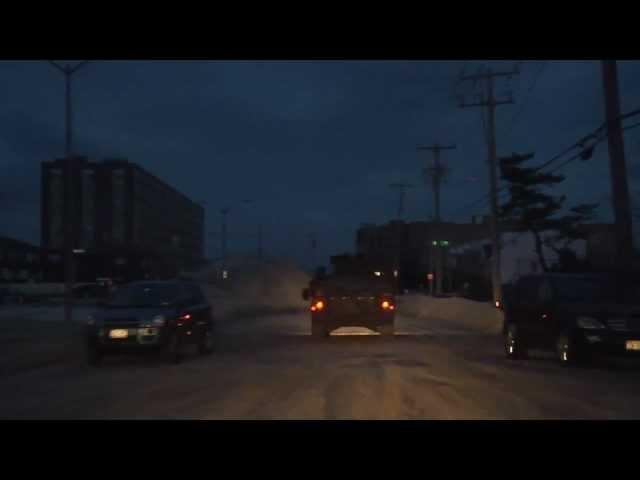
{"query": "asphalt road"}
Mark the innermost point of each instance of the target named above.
(268, 367)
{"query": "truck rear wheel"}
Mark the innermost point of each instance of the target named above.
(94, 356)
(387, 330)
(319, 330)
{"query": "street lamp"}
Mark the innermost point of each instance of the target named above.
(224, 212)
(259, 237)
(68, 71)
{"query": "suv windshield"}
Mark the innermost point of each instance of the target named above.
(591, 290)
(146, 295)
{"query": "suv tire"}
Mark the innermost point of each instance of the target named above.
(171, 351)
(568, 351)
(514, 347)
(387, 330)
(94, 356)
(205, 345)
(319, 330)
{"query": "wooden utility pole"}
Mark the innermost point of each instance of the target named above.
(260, 244)
(436, 172)
(313, 238)
(617, 167)
(402, 191)
(223, 237)
(489, 102)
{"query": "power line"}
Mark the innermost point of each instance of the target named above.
(489, 104)
(402, 189)
(436, 172)
(579, 144)
(526, 98)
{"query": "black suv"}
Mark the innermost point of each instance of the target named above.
(574, 315)
(160, 316)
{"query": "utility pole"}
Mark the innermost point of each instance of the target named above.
(313, 238)
(260, 251)
(437, 172)
(260, 244)
(223, 237)
(617, 166)
(402, 190)
(69, 204)
(489, 102)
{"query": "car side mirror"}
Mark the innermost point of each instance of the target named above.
(305, 294)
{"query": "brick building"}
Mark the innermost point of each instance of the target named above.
(128, 222)
(19, 261)
(409, 247)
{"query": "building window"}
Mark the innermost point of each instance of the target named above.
(56, 206)
(88, 207)
(118, 178)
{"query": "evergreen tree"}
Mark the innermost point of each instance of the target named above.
(530, 209)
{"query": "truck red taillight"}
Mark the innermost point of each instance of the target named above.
(317, 306)
(387, 305)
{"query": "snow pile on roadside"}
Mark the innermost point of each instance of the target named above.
(452, 313)
(17, 313)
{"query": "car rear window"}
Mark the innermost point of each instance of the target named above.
(146, 295)
(592, 290)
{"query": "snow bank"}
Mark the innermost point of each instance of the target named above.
(17, 313)
(454, 314)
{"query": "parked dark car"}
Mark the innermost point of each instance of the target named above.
(574, 315)
(5, 296)
(91, 291)
(164, 317)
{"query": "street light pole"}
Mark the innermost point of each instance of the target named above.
(223, 235)
(259, 237)
(69, 204)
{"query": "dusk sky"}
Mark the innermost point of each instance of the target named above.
(315, 144)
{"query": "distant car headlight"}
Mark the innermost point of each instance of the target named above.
(590, 323)
(158, 321)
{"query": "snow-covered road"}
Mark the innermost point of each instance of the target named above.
(268, 367)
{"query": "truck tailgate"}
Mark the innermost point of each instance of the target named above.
(352, 305)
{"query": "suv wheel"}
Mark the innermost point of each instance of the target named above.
(319, 330)
(205, 346)
(567, 350)
(513, 345)
(94, 356)
(387, 330)
(172, 349)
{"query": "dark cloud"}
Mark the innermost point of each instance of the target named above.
(316, 143)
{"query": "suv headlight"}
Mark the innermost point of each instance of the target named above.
(158, 321)
(590, 323)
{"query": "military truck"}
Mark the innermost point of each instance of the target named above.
(357, 293)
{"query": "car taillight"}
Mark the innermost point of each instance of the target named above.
(317, 306)
(184, 318)
(387, 305)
